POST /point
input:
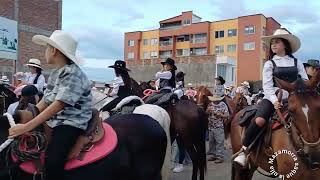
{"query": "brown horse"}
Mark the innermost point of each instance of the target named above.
(240, 101)
(188, 121)
(295, 147)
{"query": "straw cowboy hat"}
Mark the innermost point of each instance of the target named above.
(120, 65)
(170, 62)
(34, 63)
(62, 41)
(283, 33)
(246, 84)
(215, 98)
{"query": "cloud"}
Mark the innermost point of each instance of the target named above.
(98, 63)
(98, 43)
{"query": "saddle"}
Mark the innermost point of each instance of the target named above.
(93, 134)
(166, 99)
(127, 105)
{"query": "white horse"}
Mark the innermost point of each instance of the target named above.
(159, 114)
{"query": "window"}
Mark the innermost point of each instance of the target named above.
(199, 51)
(154, 54)
(219, 34)
(249, 46)
(249, 30)
(199, 38)
(131, 43)
(219, 49)
(222, 70)
(232, 32)
(232, 48)
(165, 54)
(186, 21)
(183, 52)
(146, 42)
(145, 55)
(233, 69)
(154, 41)
(130, 55)
(182, 38)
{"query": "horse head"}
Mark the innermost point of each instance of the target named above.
(304, 107)
(202, 96)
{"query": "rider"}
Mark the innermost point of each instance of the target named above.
(190, 92)
(179, 84)
(244, 90)
(121, 86)
(283, 65)
(219, 85)
(311, 68)
(66, 104)
(35, 76)
(26, 94)
(166, 79)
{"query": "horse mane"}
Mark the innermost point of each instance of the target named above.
(300, 86)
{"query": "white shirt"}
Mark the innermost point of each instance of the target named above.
(117, 82)
(29, 78)
(12, 108)
(164, 75)
(267, 81)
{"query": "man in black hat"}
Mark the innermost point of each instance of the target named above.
(121, 86)
(311, 67)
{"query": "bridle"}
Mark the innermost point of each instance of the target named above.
(302, 147)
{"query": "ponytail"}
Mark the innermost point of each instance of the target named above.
(35, 81)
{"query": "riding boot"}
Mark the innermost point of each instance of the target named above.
(251, 132)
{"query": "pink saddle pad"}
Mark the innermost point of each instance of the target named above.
(98, 151)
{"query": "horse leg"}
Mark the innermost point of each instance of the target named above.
(195, 164)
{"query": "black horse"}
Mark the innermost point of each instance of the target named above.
(139, 154)
(7, 97)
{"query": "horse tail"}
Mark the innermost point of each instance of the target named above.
(227, 127)
(163, 118)
(201, 142)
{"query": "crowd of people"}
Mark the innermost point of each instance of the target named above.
(69, 87)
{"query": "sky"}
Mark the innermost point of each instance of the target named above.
(99, 25)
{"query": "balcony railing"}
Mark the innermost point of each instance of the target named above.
(199, 40)
(165, 43)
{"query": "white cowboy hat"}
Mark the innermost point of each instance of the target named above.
(245, 83)
(4, 79)
(34, 63)
(62, 41)
(189, 85)
(283, 33)
(215, 98)
(228, 87)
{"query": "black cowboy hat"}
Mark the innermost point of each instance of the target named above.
(221, 80)
(180, 75)
(170, 62)
(120, 65)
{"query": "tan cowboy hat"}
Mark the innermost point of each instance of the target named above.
(215, 98)
(34, 63)
(245, 83)
(62, 41)
(283, 33)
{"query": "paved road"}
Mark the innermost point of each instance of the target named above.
(215, 171)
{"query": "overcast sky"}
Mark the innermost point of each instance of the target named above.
(99, 25)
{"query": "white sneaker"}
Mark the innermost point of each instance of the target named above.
(241, 159)
(178, 168)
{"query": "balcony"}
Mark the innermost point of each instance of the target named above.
(199, 40)
(166, 43)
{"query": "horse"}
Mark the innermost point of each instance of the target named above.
(297, 138)
(7, 97)
(240, 101)
(189, 123)
(139, 154)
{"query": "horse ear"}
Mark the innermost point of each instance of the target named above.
(284, 85)
(314, 81)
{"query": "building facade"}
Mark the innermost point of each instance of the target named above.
(235, 44)
(32, 17)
